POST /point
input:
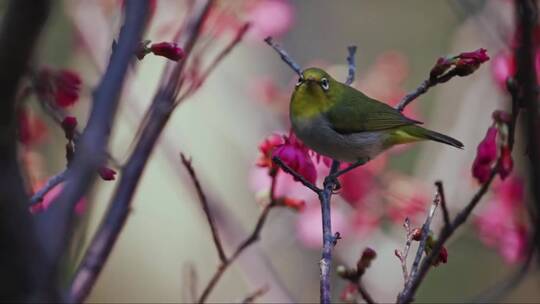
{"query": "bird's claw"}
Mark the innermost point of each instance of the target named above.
(336, 185)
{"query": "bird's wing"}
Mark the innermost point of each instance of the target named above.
(359, 113)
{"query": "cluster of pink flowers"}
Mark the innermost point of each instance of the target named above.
(495, 144)
(501, 224)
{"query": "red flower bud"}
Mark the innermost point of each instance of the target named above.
(69, 124)
(168, 50)
(364, 262)
(486, 154)
(468, 62)
(107, 173)
(67, 88)
(442, 257)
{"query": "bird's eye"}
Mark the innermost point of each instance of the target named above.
(300, 80)
(325, 84)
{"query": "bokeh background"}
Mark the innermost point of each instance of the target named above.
(166, 246)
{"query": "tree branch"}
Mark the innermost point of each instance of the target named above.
(202, 198)
(90, 154)
(250, 240)
(440, 190)
(284, 56)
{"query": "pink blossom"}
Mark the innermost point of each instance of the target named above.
(51, 196)
(500, 224)
(486, 154)
(269, 18)
(468, 62)
(296, 155)
(293, 203)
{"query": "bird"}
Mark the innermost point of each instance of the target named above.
(340, 122)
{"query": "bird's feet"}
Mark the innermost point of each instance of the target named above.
(333, 180)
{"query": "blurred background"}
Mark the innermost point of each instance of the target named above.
(166, 250)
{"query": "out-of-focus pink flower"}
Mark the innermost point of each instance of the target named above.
(169, 50)
(51, 196)
(62, 85)
(349, 293)
(308, 227)
(500, 224)
(405, 199)
(486, 154)
(296, 155)
(269, 18)
(363, 222)
(32, 130)
(357, 184)
(68, 85)
(107, 173)
(503, 66)
(266, 149)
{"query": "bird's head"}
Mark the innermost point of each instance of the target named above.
(315, 92)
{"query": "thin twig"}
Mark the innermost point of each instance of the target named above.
(250, 240)
(295, 174)
(51, 183)
(402, 255)
(425, 235)
(351, 64)
(444, 208)
(365, 294)
(256, 294)
(284, 56)
(204, 202)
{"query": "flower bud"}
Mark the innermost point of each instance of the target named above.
(69, 124)
(168, 50)
(107, 173)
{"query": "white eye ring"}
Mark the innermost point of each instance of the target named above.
(300, 81)
(325, 84)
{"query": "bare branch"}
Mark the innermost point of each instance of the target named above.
(352, 64)
(284, 56)
(444, 208)
(402, 255)
(202, 198)
(250, 240)
(365, 294)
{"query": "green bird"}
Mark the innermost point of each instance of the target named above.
(341, 122)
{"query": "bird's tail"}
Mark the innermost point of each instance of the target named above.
(423, 133)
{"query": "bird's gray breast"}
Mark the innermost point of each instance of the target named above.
(318, 135)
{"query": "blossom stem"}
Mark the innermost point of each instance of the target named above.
(204, 202)
(444, 208)
(296, 175)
